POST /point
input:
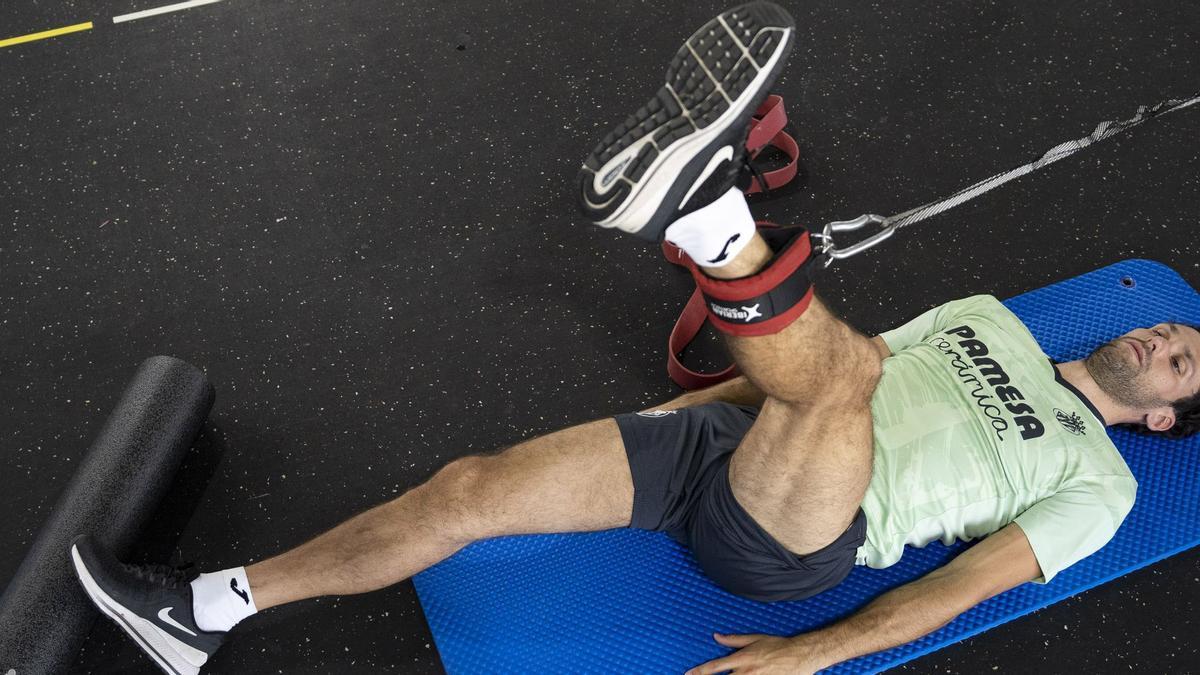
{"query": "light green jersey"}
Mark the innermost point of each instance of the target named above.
(974, 429)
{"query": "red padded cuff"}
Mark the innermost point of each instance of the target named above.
(768, 327)
(795, 254)
(766, 302)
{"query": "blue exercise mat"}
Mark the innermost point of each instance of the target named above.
(633, 601)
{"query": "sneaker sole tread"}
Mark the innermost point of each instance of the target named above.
(712, 70)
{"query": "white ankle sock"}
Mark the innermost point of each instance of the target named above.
(714, 235)
(221, 599)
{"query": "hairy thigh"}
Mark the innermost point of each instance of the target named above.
(576, 479)
(801, 472)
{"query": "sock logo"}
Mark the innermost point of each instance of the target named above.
(725, 249)
(241, 594)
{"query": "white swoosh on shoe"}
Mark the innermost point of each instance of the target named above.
(164, 615)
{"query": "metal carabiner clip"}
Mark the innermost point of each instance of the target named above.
(830, 250)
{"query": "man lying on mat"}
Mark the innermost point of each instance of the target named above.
(833, 450)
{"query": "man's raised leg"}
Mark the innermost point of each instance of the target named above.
(802, 469)
(672, 171)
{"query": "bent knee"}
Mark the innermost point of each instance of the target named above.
(870, 368)
(456, 489)
(855, 377)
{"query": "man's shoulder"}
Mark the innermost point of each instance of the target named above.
(983, 305)
(990, 309)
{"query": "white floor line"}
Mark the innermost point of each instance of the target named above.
(162, 10)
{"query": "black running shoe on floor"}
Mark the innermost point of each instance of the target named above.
(153, 603)
(687, 146)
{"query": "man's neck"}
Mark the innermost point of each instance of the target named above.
(1076, 373)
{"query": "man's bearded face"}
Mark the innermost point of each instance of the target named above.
(1114, 367)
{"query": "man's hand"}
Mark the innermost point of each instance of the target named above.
(1002, 561)
(765, 655)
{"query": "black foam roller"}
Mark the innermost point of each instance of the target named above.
(44, 614)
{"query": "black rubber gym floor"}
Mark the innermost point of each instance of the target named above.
(359, 220)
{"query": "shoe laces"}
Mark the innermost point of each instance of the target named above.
(164, 576)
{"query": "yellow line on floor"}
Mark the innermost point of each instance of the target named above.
(46, 34)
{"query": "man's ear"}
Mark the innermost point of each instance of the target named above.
(1160, 419)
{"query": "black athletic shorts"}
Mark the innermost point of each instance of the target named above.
(680, 466)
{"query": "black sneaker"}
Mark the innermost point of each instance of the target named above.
(153, 603)
(687, 146)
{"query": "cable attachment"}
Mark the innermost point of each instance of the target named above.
(888, 226)
(829, 248)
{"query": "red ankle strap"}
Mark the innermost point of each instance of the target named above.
(689, 324)
(767, 131)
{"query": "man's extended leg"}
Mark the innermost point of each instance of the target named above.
(577, 479)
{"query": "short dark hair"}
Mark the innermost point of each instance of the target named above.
(1187, 417)
(1187, 411)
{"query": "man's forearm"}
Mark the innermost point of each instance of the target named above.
(895, 618)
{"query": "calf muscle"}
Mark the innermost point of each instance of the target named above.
(816, 358)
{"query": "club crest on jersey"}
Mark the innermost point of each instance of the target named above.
(1072, 422)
